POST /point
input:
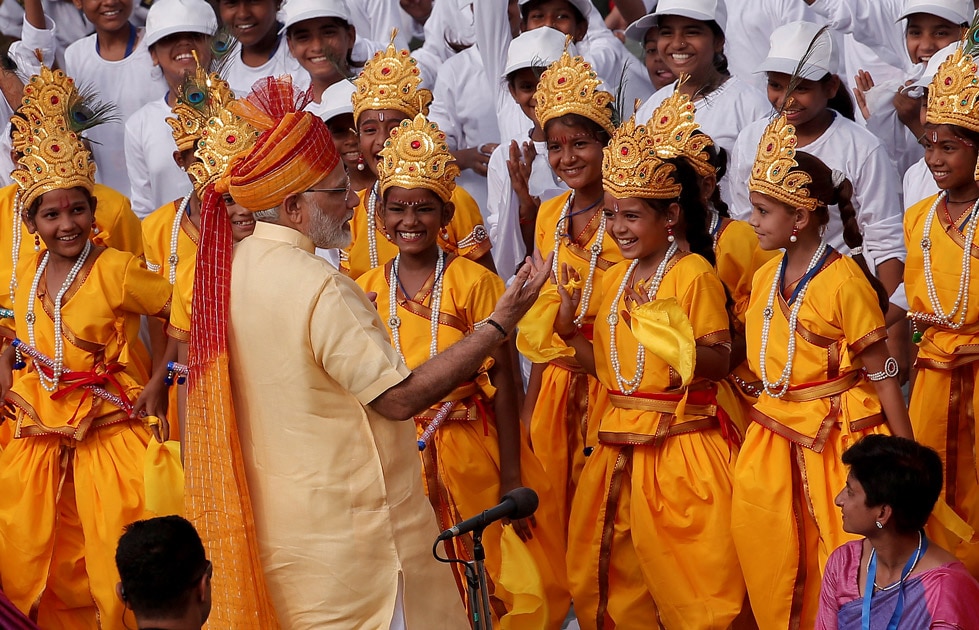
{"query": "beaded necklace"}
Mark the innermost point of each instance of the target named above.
(715, 222)
(15, 250)
(778, 388)
(371, 225)
(564, 227)
(629, 386)
(394, 322)
(51, 384)
(960, 307)
(173, 259)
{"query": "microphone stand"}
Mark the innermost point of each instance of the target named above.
(476, 585)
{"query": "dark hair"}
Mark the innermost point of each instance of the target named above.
(841, 101)
(717, 157)
(900, 473)
(577, 120)
(512, 76)
(826, 194)
(533, 4)
(160, 560)
(694, 213)
(720, 59)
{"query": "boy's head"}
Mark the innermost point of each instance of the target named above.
(164, 572)
(528, 56)
(250, 21)
(568, 16)
(107, 16)
(320, 37)
(645, 31)
(933, 25)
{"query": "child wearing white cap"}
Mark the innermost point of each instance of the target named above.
(261, 51)
(691, 41)
(116, 62)
(178, 36)
(645, 31)
(323, 40)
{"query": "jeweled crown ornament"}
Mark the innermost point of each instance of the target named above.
(631, 168)
(52, 155)
(953, 96)
(201, 96)
(675, 132)
(772, 172)
(391, 80)
(417, 156)
(225, 136)
(571, 86)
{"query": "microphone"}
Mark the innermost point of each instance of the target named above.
(518, 503)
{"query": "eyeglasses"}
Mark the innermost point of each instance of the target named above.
(345, 189)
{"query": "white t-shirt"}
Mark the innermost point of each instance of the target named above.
(464, 114)
(374, 19)
(722, 115)
(918, 184)
(846, 147)
(241, 77)
(129, 84)
(873, 23)
(502, 213)
(72, 25)
(155, 177)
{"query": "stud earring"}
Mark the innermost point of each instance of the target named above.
(388, 236)
(444, 234)
(794, 237)
(669, 234)
(878, 524)
(360, 163)
(37, 243)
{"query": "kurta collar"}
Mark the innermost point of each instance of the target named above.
(275, 232)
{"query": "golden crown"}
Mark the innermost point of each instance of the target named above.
(201, 96)
(772, 172)
(953, 95)
(631, 168)
(225, 136)
(417, 156)
(674, 130)
(52, 155)
(390, 81)
(570, 86)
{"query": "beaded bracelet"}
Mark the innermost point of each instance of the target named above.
(496, 325)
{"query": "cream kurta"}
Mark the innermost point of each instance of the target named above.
(339, 506)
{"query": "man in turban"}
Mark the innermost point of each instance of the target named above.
(344, 529)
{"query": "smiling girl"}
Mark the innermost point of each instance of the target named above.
(432, 299)
(942, 290)
(651, 515)
(178, 34)
(690, 39)
(388, 93)
(73, 477)
(816, 337)
(261, 51)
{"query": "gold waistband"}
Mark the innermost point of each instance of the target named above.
(805, 393)
(662, 406)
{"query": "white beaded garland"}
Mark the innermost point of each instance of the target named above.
(564, 227)
(394, 322)
(629, 386)
(778, 388)
(371, 209)
(15, 249)
(954, 318)
(173, 259)
(51, 384)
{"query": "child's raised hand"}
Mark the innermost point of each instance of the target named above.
(569, 288)
(864, 84)
(908, 108)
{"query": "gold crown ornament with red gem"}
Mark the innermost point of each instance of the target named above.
(675, 132)
(571, 86)
(201, 96)
(631, 168)
(417, 156)
(772, 172)
(391, 80)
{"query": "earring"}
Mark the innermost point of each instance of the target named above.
(360, 163)
(669, 234)
(794, 237)
(37, 243)
(444, 234)
(879, 526)
(388, 236)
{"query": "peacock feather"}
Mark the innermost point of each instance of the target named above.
(817, 43)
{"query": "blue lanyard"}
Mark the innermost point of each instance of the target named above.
(130, 45)
(868, 591)
(805, 279)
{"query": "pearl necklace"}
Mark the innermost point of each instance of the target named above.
(15, 250)
(371, 225)
(564, 227)
(394, 322)
(174, 235)
(51, 384)
(629, 386)
(778, 388)
(917, 556)
(715, 218)
(961, 305)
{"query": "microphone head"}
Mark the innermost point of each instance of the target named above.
(524, 502)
